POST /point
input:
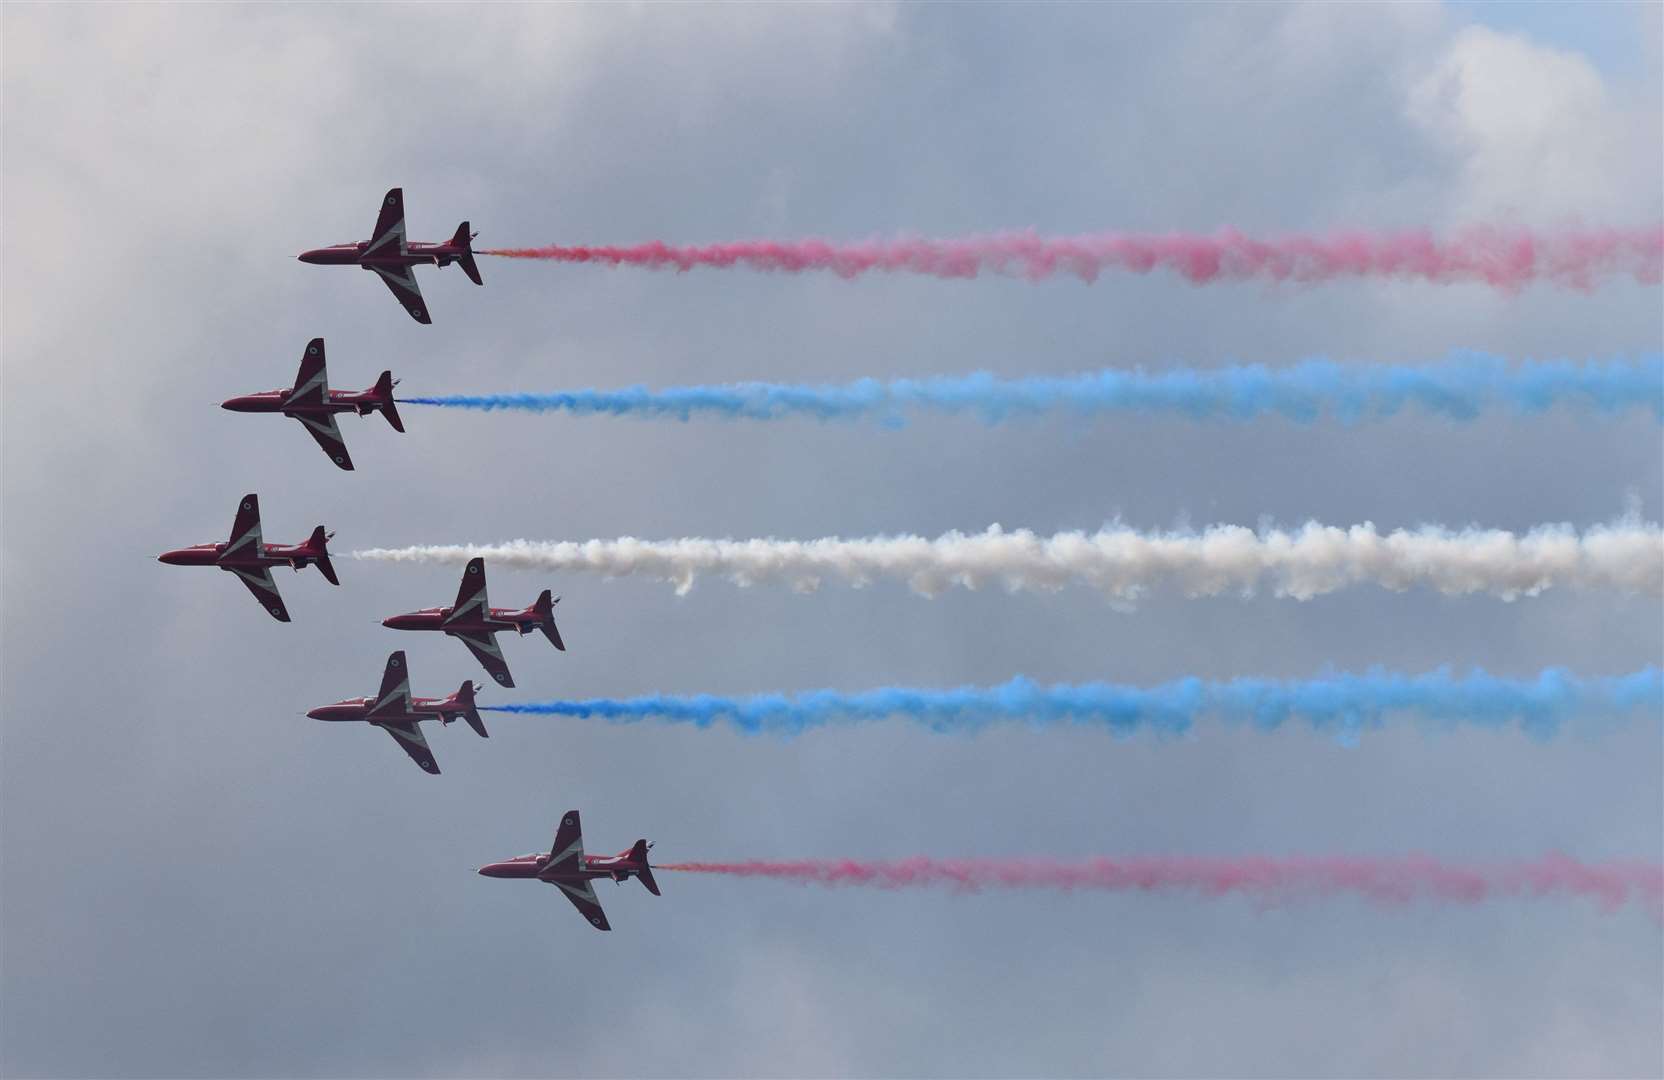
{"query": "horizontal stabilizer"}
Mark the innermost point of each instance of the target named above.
(318, 551)
(545, 611)
(464, 240)
(639, 855)
(465, 698)
(383, 393)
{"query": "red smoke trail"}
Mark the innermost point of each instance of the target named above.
(1270, 880)
(1504, 257)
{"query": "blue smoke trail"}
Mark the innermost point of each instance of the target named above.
(1343, 705)
(1460, 388)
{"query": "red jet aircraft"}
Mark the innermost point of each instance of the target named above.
(251, 560)
(567, 867)
(394, 260)
(397, 713)
(474, 622)
(314, 404)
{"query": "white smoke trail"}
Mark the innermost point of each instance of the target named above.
(1123, 563)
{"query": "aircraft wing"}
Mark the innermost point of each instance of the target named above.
(245, 530)
(409, 736)
(471, 593)
(327, 433)
(567, 854)
(311, 381)
(402, 280)
(582, 894)
(260, 583)
(394, 696)
(486, 650)
(388, 239)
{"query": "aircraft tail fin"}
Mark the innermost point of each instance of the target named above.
(317, 548)
(544, 608)
(465, 698)
(383, 392)
(638, 854)
(464, 239)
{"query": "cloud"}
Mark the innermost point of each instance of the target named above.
(1537, 133)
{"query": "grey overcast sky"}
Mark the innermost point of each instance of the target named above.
(196, 880)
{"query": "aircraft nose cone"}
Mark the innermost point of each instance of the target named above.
(314, 713)
(491, 870)
(169, 557)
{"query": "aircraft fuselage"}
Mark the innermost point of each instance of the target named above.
(445, 710)
(295, 555)
(394, 259)
(362, 402)
(620, 867)
(415, 254)
(520, 620)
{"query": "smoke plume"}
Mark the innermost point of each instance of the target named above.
(1343, 705)
(1267, 880)
(1506, 258)
(1123, 563)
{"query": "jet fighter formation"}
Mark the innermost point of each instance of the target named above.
(571, 871)
(252, 561)
(472, 620)
(314, 404)
(395, 260)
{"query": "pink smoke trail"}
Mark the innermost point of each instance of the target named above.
(1504, 257)
(1395, 880)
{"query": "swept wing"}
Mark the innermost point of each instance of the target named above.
(471, 598)
(582, 894)
(311, 381)
(260, 583)
(409, 736)
(563, 871)
(327, 434)
(401, 279)
(394, 696)
(388, 238)
(245, 529)
(483, 644)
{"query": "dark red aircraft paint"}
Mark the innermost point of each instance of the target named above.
(394, 260)
(567, 868)
(397, 713)
(252, 561)
(474, 622)
(314, 404)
